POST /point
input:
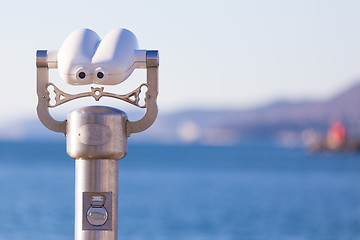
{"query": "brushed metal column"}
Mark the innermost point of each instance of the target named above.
(96, 176)
(96, 138)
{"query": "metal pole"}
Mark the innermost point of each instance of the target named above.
(95, 176)
(96, 137)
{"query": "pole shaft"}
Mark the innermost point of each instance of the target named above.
(96, 176)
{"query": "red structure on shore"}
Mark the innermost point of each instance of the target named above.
(336, 135)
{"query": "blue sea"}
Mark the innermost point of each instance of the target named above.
(250, 191)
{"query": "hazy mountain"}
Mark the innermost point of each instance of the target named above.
(281, 121)
(284, 121)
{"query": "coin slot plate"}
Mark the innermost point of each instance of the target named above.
(97, 200)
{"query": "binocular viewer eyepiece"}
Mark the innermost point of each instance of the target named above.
(85, 58)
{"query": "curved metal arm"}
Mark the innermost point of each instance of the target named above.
(43, 95)
(152, 65)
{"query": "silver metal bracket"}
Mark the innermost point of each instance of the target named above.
(43, 63)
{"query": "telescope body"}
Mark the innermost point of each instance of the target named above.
(97, 136)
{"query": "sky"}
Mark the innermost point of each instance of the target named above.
(228, 54)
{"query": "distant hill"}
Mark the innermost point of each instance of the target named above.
(287, 122)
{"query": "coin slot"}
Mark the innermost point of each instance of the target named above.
(97, 198)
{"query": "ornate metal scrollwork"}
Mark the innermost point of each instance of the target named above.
(96, 92)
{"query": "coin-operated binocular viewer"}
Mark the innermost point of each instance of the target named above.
(97, 135)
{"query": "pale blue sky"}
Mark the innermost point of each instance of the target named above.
(213, 54)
